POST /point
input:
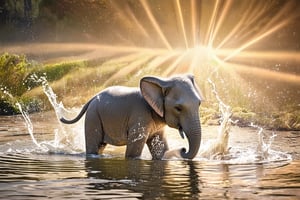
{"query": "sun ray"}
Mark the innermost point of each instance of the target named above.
(135, 64)
(271, 27)
(211, 24)
(171, 68)
(256, 39)
(160, 59)
(265, 74)
(219, 23)
(179, 11)
(254, 19)
(155, 24)
(128, 17)
(265, 55)
(194, 21)
(194, 63)
(238, 27)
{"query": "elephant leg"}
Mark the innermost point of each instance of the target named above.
(137, 137)
(157, 145)
(93, 133)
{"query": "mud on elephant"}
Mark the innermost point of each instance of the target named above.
(137, 116)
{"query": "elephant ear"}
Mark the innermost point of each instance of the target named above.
(153, 90)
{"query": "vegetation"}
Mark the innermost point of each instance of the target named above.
(88, 77)
(13, 70)
(15, 81)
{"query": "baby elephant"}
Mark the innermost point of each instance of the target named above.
(135, 116)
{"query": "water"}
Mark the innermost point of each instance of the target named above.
(233, 162)
(28, 173)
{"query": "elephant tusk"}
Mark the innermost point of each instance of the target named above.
(181, 133)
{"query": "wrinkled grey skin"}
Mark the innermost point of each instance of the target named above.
(135, 116)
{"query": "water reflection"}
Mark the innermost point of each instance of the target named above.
(28, 173)
(153, 179)
(149, 178)
(35, 176)
(16, 167)
(180, 179)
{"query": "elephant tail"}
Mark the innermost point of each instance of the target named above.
(76, 119)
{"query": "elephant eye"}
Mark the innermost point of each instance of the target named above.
(178, 108)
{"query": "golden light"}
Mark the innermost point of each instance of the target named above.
(237, 44)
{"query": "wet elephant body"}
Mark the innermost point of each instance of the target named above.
(131, 128)
(137, 116)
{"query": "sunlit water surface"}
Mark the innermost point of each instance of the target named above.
(62, 171)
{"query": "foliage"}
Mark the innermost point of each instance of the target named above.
(53, 72)
(13, 70)
(57, 71)
(6, 108)
(15, 78)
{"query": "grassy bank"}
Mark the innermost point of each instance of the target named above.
(77, 81)
(16, 79)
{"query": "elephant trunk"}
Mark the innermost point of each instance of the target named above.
(193, 134)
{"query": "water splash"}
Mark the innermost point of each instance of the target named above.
(264, 153)
(64, 140)
(219, 146)
(28, 124)
(58, 107)
(25, 115)
(218, 149)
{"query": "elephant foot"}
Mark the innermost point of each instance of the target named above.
(101, 148)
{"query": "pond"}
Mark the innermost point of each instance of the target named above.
(29, 172)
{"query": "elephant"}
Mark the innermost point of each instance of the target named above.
(135, 116)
